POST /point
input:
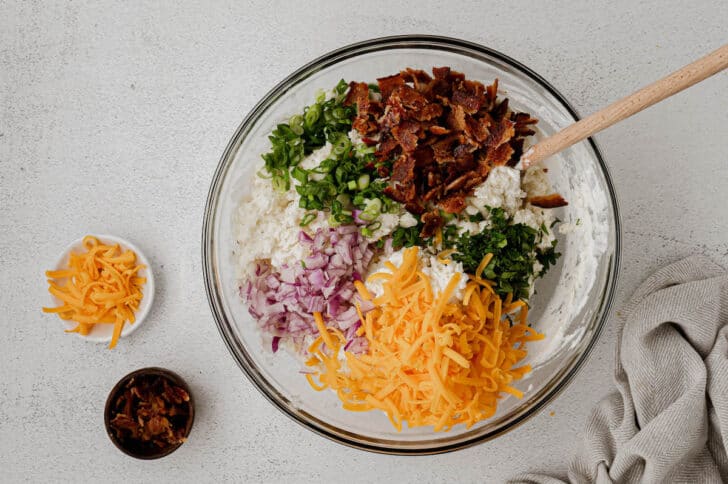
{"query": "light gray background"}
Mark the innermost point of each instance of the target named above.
(113, 118)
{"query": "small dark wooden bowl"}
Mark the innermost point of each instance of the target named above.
(129, 448)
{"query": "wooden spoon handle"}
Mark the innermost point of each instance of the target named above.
(691, 74)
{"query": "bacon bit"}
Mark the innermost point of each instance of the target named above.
(517, 147)
(443, 134)
(469, 95)
(432, 221)
(388, 147)
(438, 130)
(478, 129)
(457, 183)
(150, 412)
(428, 112)
(441, 72)
(367, 111)
(416, 76)
(364, 125)
(407, 135)
(393, 113)
(454, 203)
(456, 119)
(553, 200)
(413, 207)
(501, 132)
(389, 84)
(444, 149)
(499, 156)
(410, 98)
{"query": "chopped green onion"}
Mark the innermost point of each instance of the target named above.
(299, 174)
(312, 115)
(263, 174)
(332, 221)
(296, 123)
(374, 225)
(363, 150)
(363, 182)
(367, 216)
(281, 183)
(342, 145)
(341, 87)
(320, 96)
(344, 200)
(373, 206)
(351, 185)
(307, 219)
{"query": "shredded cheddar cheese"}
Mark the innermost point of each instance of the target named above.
(100, 286)
(430, 362)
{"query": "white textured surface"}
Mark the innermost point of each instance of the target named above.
(113, 118)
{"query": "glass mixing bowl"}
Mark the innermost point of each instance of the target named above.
(571, 302)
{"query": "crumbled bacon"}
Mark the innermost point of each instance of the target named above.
(432, 221)
(442, 133)
(389, 84)
(553, 200)
(367, 111)
(150, 412)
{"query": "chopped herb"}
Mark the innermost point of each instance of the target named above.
(514, 251)
(307, 219)
(406, 237)
(547, 258)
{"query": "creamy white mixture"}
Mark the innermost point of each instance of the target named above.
(439, 273)
(314, 160)
(504, 189)
(268, 226)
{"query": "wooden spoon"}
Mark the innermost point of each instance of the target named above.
(691, 74)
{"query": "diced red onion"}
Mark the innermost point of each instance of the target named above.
(282, 301)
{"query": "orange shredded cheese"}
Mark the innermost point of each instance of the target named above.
(430, 361)
(100, 286)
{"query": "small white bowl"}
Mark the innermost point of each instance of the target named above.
(101, 333)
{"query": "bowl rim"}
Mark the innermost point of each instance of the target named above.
(150, 370)
(563, 378)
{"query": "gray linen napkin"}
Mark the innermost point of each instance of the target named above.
(668, 419)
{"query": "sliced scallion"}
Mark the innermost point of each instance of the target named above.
(307, 219)
(363, 182)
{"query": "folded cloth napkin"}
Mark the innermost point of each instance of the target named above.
(668, 419)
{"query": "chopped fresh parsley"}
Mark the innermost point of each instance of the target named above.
(407, 237)
(514, 249)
